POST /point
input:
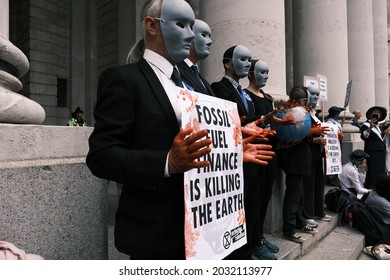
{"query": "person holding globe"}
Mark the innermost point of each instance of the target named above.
(295, 160)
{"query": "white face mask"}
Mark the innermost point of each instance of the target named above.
(313, 94)
(202, 40)
(261, 73)
(177, 20)
(241, 61)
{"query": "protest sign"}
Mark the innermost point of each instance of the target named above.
(332, 151)
(348, 94)
(214, 199)
(323, 87)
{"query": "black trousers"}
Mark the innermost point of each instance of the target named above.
(313, 187)
(267, 176)
(251, 201)
(293, 204)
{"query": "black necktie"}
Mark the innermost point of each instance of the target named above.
(176, 78)
(196, 72)
(197, 75)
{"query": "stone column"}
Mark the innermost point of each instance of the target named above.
(321, 45)
(289, 43)
(256, 24)
(14, 108)
(361, 54)
(388, 41)
(381, 53)
(260, 26)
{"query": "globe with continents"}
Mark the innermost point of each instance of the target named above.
(293, 133)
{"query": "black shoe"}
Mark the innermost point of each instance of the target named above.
(310, 230)
(294, 237)
(270, 246)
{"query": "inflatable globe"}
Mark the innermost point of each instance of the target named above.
(294, 132)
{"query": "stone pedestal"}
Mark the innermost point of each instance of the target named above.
(274, 218)
(14, 108)
(351, 141)
(51, 203)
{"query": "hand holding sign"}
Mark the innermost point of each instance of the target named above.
(318, 130)
(186, 148)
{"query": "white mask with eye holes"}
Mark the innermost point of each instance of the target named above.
(177, 20)
(313, 94)
(261, 73)
(202, 40)
(241, 61)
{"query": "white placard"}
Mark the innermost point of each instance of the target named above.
(311, 81)
(323, 87)
(214, 200)
(332, 150)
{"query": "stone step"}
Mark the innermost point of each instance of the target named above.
(343, 243)
(289, 250)
(332, 242)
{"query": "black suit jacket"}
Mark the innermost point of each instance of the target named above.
(134, 130)
(375, 147)
(373, 141)
(189, 77)
(225, 90)
(296, 159)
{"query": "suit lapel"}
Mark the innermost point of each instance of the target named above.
(240, 105)
(187, 74)
(160, 94)
(207, 85)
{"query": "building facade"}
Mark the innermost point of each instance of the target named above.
(70, 42)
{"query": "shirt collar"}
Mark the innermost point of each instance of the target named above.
(159, 61)
(234, 83)
(189, 62)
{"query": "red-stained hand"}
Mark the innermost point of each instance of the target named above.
(256, 153)
(260, 134)
(271, 119)
(340, 135)
(185, 150)
(318, 130)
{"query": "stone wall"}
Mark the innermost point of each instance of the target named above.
(51, 204)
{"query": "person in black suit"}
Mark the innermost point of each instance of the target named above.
(137, 139)
(236, 62)
(200, 49)
(296, 163)
(374, 144)
(135, 107)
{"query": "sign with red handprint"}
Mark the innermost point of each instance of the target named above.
(214, 200)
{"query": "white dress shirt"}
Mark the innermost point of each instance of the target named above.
(351, 178)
